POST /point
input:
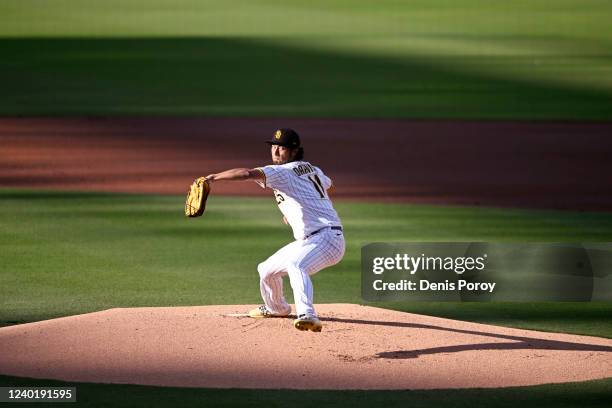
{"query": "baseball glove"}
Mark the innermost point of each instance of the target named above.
(196, 197)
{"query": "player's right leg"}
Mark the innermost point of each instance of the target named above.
(313, 254)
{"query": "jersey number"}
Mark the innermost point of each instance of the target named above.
(279, 198)
(316, 182)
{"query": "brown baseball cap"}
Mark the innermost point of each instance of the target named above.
(285, 137)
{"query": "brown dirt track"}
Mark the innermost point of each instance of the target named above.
(545, 165)
(360, 348)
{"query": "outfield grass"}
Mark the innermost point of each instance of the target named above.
(69, 253)
(476, 59)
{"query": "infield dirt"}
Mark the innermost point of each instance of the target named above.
(528, 164)
(360, 347)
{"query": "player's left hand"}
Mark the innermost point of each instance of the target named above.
(195, 203)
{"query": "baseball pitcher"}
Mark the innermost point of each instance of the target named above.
(300, 190)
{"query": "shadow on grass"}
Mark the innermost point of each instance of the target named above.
(258, 77)
(585, 394)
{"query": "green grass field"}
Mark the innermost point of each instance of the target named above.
(475, 59)
(68, 253)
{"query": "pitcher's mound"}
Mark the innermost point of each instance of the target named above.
(360, 348)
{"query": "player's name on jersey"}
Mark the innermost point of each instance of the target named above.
(302, 169)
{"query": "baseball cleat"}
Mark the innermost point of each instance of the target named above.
(262, 312)
(305, 322)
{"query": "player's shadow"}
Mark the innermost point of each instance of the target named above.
(518, 342)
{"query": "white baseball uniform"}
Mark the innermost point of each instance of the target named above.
(300, 190)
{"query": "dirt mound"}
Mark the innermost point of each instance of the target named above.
(360, 348)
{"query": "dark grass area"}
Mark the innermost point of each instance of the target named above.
(233, 76)
(585, 394)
